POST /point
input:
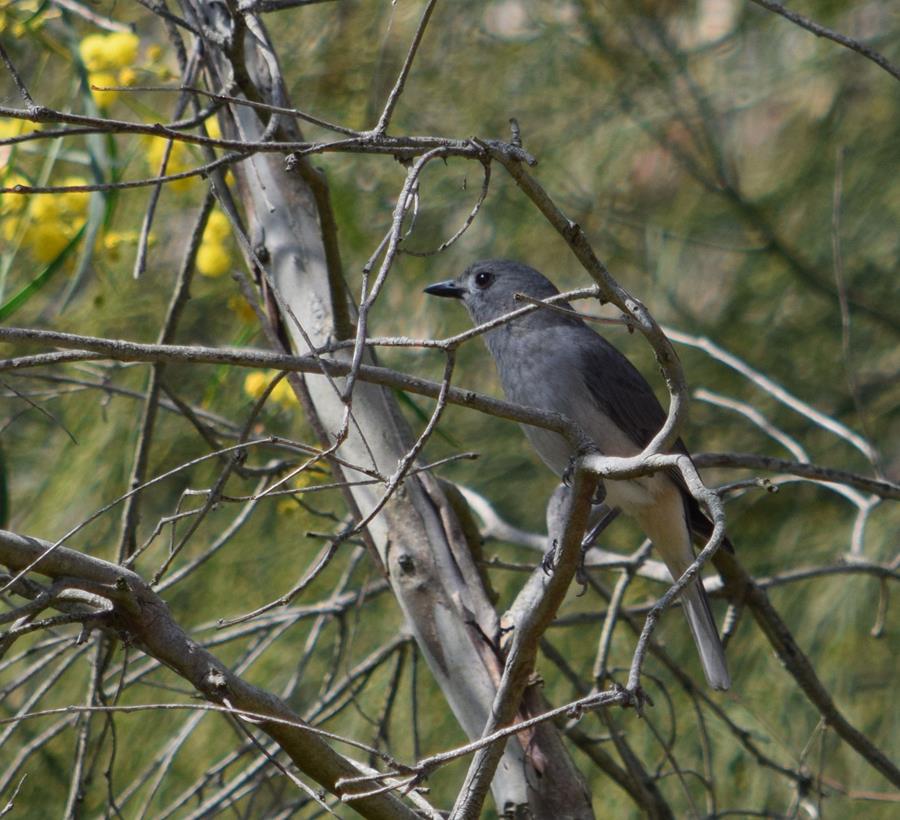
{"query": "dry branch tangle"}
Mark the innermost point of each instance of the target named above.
(418, 539)
(145, 618)
(418, 514)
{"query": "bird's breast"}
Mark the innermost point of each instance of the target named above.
(538, 370)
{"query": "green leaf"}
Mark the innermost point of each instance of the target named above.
(16, 301)
(4, 492)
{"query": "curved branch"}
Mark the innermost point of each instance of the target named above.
(841, 39)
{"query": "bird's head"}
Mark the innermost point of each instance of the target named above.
(488, 288)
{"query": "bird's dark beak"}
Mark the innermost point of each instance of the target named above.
(448, 288)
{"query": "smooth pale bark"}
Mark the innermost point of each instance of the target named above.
(417, 534)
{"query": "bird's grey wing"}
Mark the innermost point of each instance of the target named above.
(625, 396)
(619, 389)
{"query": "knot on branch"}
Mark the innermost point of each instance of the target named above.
(214, 683)
(40, 113)
(572, 231)
(292, 163)
(506, 150)
(634, 697)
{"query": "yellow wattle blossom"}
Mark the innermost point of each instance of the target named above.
(241, 308)
(93, 52)
(128, 76)
(9, 227)
(255, 383)
(103, 98)
(213, 129)
(102, 52)
(45, 207)
(283, 394)
(310, 476)
(122, 48)
(74, 202)
(13, 203)
(113, 241)
(45, 222)
(179, 160)
(15, 128)
(218, 228)
(156, 150)
(108, 59)
(47, 239)
(213, 259)
(53, 219)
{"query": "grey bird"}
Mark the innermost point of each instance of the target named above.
(555, 362)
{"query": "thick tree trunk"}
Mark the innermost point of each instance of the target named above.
(417, 534)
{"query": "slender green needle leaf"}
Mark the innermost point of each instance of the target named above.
(15, 302)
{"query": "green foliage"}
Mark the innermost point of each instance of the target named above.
(699, 145)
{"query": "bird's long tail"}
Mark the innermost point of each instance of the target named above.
(665, 523)
(706, 636)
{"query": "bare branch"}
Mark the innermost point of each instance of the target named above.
(146, 617)
(840, 39)
(774, 389)
(385, 118)
(543, 598)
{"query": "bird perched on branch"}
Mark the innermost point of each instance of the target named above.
(551, 360)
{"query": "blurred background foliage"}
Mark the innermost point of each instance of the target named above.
(735, 173)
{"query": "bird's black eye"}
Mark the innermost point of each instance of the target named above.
(483, 279)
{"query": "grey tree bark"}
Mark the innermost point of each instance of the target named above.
(417, 534)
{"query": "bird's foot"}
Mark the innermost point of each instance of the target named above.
(581, 575)
(569, 472)
(548, 562)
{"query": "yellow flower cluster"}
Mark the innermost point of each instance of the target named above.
(256, 382)
(310, 477)
(214, 130)
(179, 160)
(113, 241)
(20, 18)
(241, 308)
(108, 59)
(213, 255)
(44, 223)
(15, 128)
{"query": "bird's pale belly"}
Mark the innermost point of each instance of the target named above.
(633, 495)
(629, 495)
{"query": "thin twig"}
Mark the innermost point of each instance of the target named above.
(385, 118)
(17, 79)
(773, 389)
(840, 39)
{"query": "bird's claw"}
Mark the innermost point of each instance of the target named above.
(548, 562)
(581, 575)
